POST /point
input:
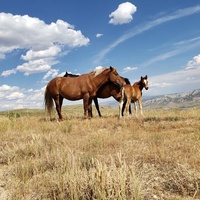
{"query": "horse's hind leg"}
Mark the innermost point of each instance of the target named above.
(128, 104)
(58, 101)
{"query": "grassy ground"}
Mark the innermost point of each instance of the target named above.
(155, 157)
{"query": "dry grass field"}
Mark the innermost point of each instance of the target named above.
(154, 157)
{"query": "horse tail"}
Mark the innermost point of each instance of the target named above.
(48, 100)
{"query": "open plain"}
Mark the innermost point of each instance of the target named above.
(140, 158)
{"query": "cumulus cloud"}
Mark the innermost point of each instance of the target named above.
(10, 92)
(123, 14)
(34, 66)
(98, 35)
(41, 40)
(34, 55)
(13, 97)
(194, 63)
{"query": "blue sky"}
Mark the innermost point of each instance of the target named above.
(40, 40)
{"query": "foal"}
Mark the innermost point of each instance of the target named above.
(132, 94)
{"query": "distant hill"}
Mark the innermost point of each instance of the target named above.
(184, 100)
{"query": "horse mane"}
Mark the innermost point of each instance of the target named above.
(70, 75)
(137, 83)
(98, 71)
(127, 80)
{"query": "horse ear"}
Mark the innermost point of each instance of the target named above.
(146, 77)
(141, 77)
(111, 68)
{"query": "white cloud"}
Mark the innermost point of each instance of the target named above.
(98, 35)
(98, 67)
(49, 52)
(41, 40)
(145, 27)
(51, 73)
(128, 69)
(123, 14)
(8, 93)
(8, 72)
(5, 88)
(15, 95)
(194, 63)
(35, 66)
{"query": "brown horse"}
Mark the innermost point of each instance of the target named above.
(75, 88)
(105, 91)
(132, 94)
(109, 90)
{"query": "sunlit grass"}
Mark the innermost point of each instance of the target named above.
(151, 157)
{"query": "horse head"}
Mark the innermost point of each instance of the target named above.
(144, 81)
(115, 78)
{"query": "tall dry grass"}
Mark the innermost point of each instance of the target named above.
(155, 157)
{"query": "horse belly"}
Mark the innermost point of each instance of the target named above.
(71, 92)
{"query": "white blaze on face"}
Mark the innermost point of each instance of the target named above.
(145, 82)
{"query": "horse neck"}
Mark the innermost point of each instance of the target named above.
(140, 86)
(101, 78)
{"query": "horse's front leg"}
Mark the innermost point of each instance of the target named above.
(123, 107)
(121, 102)
(90, 115)
(140, 106)
(85, 105)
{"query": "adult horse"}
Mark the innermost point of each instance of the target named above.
(109, 90)
(133, 94)
(105, 91)
(75, 88)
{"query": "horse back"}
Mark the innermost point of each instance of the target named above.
(73, 88)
